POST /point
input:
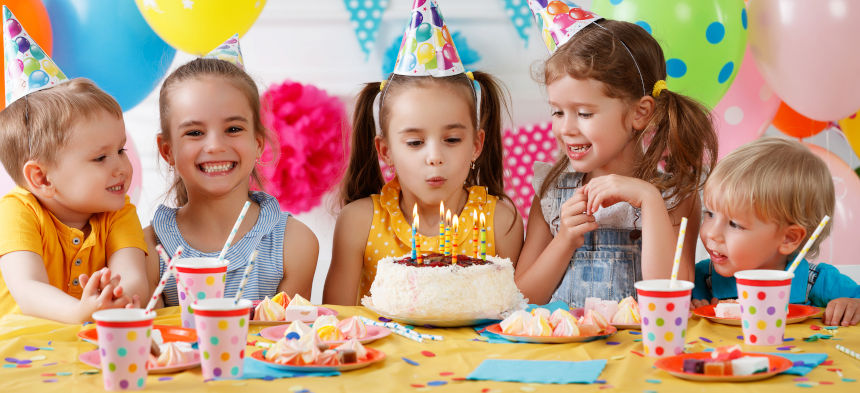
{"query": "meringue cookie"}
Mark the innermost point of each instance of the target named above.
(352, 327)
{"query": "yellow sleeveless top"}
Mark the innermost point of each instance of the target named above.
(391, 236)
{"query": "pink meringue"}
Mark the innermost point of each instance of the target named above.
(352, 327)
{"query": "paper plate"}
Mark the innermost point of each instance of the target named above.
(579, 312)
(373, 356)
(497, 329)
(675, 365)
(374, 333)
(796, 313)
(92, 358)
(168, 333)
(435, 322)
(320, 311)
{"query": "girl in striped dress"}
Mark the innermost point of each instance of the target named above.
(212, 137)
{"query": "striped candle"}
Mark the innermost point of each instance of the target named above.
(414, 232)
(441, 226)
(483, 237)
(234, 230)
(456, 225)
(245, 275)
(447, 233)
(475, 232)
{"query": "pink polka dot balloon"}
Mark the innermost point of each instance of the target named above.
(523, 146)
(746, 110)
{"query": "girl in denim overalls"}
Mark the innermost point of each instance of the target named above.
(632, 161)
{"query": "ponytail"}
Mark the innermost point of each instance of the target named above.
(363, 176)
(682, 136)
(489, 167)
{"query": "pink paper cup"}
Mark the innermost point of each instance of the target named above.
(664, 311)
(124, 342)
(763, 295)
(204, 278)
(222, 331)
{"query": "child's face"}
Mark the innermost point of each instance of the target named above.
(212, 144)
(592, 129)
(738, 242)
(431, 142)
(92, 172)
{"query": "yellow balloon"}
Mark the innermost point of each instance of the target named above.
(851, 127)
(49, 67)
(198, 27)
(425, 53)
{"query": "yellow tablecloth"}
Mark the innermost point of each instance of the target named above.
(457, 353)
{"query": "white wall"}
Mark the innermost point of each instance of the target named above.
(312, 42)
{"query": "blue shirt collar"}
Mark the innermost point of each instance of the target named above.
(726, 288)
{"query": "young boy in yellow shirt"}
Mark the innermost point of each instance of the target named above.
(69, 219)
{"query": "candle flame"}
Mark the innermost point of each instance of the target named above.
(456, 223)
(441, 209)
(474, 215)
(483, 220)
(448, 217)
(415, 220)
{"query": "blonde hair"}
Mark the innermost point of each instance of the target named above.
(200, 68)
(780, 180)
(38, 125)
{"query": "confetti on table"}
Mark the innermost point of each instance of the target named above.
(10, 365)
(831, 327)
(49, 342)
(30, 348)
(458, 379)
(653, 381)
(805, 385)
(446, 373)
(740, 337)
(428, 354)
(827, 362)
(49, 375)
(601, 381)
(801, 379)
(49, 380)
(11, 360)
(707, 340)
(785, 348)
(636, 340)
(437, 383)
(638, 354)
(606, 387)
(834, 369)
(23, 366)
(63, 374)
(849, 380)
(826, 383)
(90, 372)
(612, 343)
(162, 379)
(788, 339)
(24, 361)
(815, 327)
(46, 348)
(416, 385)
(49, 364)
(635, 332)
(410, 361)
(795, 350)
(384, 319)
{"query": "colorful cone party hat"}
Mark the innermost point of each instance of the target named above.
(228, 51)
(560, 20)
(427, 47)
(28, 67)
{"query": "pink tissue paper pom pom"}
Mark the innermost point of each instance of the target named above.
(310, 129)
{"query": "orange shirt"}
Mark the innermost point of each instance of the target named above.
(391, 236)
(25, 225)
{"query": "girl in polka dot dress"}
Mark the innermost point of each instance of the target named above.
(607, 214)
(212, 138)
(441, 147)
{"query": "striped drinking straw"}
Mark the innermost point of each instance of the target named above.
(809, 243)
(676, 263)
(234, 230)
(247, 273)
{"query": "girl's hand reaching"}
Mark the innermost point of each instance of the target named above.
(604, 191)
(696, 303)
(574, 223)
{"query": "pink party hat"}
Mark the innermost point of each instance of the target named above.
(28, 67)
(228, 51)
(427, 47)
(560, 20)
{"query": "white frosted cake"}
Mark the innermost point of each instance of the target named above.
(438, 290)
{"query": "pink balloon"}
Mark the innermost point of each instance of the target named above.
(841, 247)
(134, 188)
(803, 49)
(746, 110)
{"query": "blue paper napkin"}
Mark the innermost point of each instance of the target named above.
(494, 338)
(810, 361)
(538, 371)
(255, 369)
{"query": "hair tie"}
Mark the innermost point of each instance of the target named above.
(382, 85)
(470, 75)
(659, 86)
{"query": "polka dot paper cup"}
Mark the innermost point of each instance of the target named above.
(124, 341)
(664, 311)
(222, 331)
(763, 295)
(204, 278)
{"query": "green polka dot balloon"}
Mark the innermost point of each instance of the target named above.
(703, 40)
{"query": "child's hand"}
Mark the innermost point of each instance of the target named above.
(96, 298)
(135, 302)
(573, 222)
(603, 191)
(843, 311)
(696, 303)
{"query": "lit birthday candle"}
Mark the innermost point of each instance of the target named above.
(483, 237)
(475, 232)
(456, 225)
(414, 232)
(442, 226)
(447, 233)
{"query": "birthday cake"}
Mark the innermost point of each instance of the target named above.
(438, 289)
